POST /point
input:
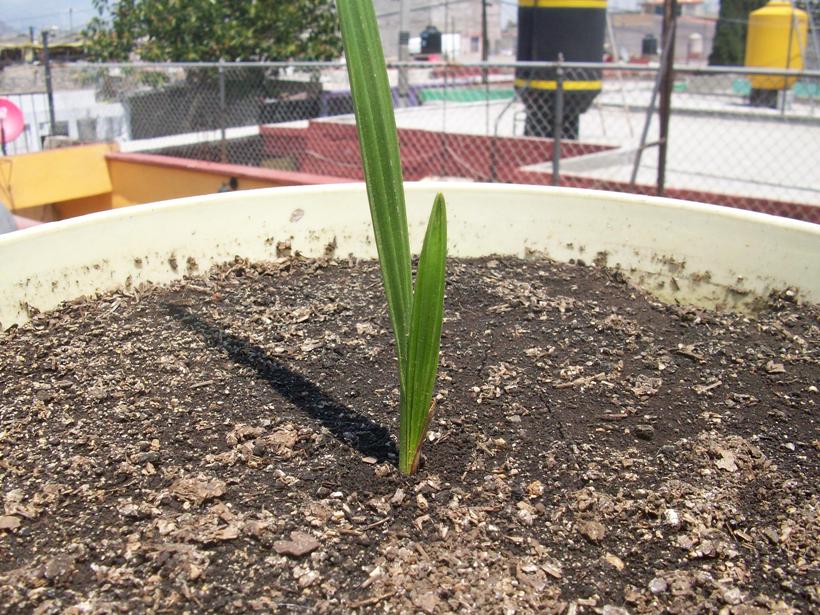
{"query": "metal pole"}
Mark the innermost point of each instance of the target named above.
(670, 10)
(815, 44)
(485, 41)
(650, 110)
(223, 110)
(446, 53)
(444, 162)
(788, 64)
(558, 122)
(49, 89)
(404, 51)
(816, 47)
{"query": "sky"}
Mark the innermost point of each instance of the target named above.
(20, 14)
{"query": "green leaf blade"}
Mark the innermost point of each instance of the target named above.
(376, 125)
(416, 317)
(425, 338)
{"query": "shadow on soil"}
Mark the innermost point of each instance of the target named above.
(348, 426)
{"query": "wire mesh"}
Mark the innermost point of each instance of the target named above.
(591, 126)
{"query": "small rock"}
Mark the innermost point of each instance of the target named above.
(9, 522)
(657, 586)
(382, 470)
(646, 386)
(732, 596)
(427, 602)
(259, 449)
(370, 460)
(771, 534)
(726, 461)
(308, 579)
(526, 513)
(706, 548)
(366, 328)
(142, 458)
(198, 489)
(398, 497)
(535, 489)
(130, 509)
(592, 530)
(671, 516)
(380, 505)
(614, 560)
(775, 368)
(614, 610)
(552, 569)
(299, 544)
(644, 432)
(59, 566)
(229, 532)
(686, 542)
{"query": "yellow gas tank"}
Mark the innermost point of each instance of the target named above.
(776, 38)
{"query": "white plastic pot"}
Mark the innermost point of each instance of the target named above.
(680, 251)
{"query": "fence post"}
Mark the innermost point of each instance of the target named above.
(49, 89)
(404, 52)
(223, 110)
(670, 19)
(485, 42)
(558, 122)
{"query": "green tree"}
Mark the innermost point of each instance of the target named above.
(210, 30)
(729, 46)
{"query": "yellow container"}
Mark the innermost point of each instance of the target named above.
(777, 38)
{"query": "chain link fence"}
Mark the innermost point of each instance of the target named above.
(592, 126)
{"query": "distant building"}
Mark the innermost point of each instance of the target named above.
(631, 28)
(685, 7)
(20, 48)
(460, 17)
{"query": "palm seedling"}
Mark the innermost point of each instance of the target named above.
(415, 312)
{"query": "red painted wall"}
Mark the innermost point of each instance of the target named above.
(329, 148)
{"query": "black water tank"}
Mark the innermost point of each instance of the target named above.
(430, 41)
(649, 45)
(547, 28)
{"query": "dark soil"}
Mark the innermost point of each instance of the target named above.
(228, 445)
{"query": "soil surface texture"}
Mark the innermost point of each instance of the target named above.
(227, 445)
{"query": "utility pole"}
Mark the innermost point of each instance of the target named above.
(444, 38)
(404, 50)
(223, 112)
(670, 17)
(49, 87)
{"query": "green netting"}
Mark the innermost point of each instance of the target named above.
(807, 89)
(469, 94)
